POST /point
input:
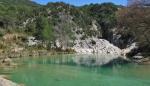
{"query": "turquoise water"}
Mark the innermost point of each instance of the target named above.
(49, 71)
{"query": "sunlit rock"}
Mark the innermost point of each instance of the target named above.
(5, 82)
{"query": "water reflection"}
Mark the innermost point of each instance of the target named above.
(77, 59)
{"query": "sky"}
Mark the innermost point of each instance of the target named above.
(83, 2)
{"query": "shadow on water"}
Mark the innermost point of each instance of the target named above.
(116, 62)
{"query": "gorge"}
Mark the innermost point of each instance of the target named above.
(60, 44)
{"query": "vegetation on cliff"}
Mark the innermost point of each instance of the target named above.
(134, 24)
(120, 25)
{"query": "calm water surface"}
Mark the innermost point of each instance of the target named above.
(59, 70)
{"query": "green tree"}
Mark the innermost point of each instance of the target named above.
(47, 31)
(105, 15)
(44, 29)
(134, 21)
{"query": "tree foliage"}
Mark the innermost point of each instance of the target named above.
(135, 22)
(43, 29)
(105, 15)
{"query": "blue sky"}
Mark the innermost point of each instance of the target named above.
(83, 2)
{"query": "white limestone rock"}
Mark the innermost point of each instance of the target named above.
(99, 53)
(5, 82)
(101, 46)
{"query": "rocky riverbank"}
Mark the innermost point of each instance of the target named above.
(90, 45)
(6, 57)
(102, 48)
(5, 82)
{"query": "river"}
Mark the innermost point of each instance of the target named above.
(49, 71)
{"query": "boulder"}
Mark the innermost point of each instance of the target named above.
(7, 61)
(5, 82)
(138, 57)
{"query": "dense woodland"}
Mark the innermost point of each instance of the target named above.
(59, 20)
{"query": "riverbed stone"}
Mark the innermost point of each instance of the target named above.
(5, 82)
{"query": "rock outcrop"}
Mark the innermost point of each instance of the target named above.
(94, 51)
(94, 45)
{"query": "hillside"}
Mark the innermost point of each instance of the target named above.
(14, 12)
(63, 26)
